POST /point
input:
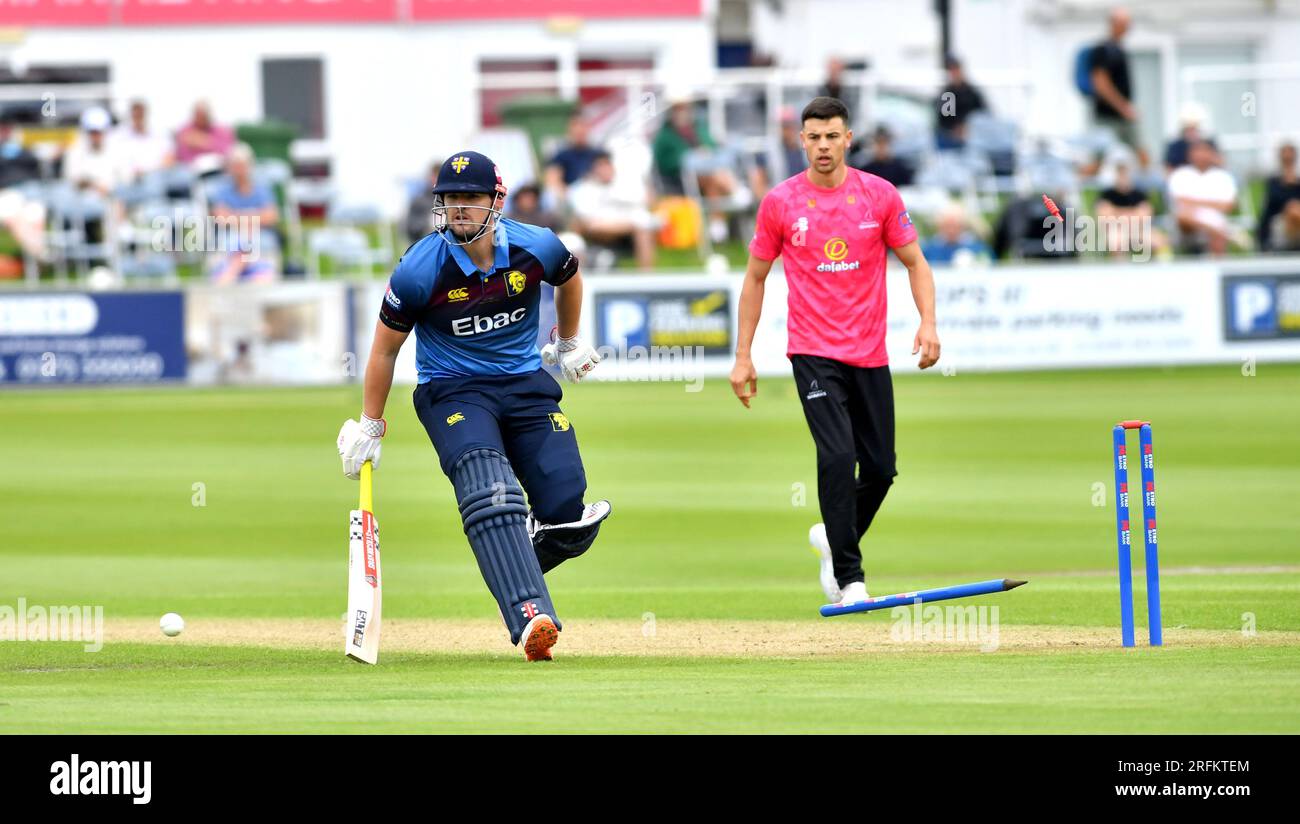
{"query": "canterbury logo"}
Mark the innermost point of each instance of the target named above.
(458, 294)
(459, 163)
(452, 420)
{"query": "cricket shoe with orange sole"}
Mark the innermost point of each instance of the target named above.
(538, 638)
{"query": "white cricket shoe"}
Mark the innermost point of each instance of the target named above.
(853, 593)
(821, 546)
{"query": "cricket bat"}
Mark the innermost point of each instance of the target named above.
(365, 596)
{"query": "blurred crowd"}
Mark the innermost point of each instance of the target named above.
(626, 190)
(97, 201)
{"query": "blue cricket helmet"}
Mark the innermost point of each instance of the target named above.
(468, 172)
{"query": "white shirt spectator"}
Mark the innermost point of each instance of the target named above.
(139, 154)
(100, 168)
(1213, 184)
(593, 200)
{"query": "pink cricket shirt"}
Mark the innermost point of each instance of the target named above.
(834, 243)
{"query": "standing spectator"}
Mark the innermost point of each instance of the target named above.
(834, 86)
(954, 105)
(419, 212)
(572, 162)
(603, 213)
(882, 162)
(1124, 214)
(953, 244)
(1192, 121)
(140, 149)
(202, 136)
(249, 214)
(526, 207)
(21, 219)
(90, 162)
(1202, 196)
(1112, 91)
(1279, 225)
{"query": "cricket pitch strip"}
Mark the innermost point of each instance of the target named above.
(671, 638)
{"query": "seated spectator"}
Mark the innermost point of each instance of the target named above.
(1192, 120)
(604, 214)
(202, 136)
(571, 162)
(954, 105)
(248, 214)
(1279, 225)
(953, 244)
(526, 207)
(680, 134)
(17, 164)
(419, 213)
(1124, 214)
(882, 162)
(1202, 196)
(90, 162)
(140, 149)
(1023, 230)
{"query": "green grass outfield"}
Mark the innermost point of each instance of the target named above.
(1004, 475)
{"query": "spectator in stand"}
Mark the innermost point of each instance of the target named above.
(604, 213)
(680, 134)
(248, 214)
(571, 163)
(526, 207)
(1202, 196)
(1279, 225)
(419, 213)
(882, 162)
(17, 164)
(954, 105)
(1192, 119)
(835, 87)
(783, 160)
(22, 220)
(91, 162)
(1124, 215)
(953, 243)
(140, 149)
(1112, 91)
(202, 136)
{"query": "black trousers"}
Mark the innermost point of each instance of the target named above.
(850, 412)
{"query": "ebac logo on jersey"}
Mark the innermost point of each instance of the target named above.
(478, 324)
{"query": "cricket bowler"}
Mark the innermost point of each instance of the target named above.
(470, 290)
(832, 225)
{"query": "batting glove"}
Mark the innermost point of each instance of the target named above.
(574, 357)
(359, 442)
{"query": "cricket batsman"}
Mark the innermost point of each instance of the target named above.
(832, 226)
(471, 290)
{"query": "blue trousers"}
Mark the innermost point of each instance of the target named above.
(518, 415)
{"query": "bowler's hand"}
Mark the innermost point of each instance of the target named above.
(927, 343)
(744, 380)
(358, 442)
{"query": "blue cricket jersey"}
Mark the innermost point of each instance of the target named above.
(468, 322)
